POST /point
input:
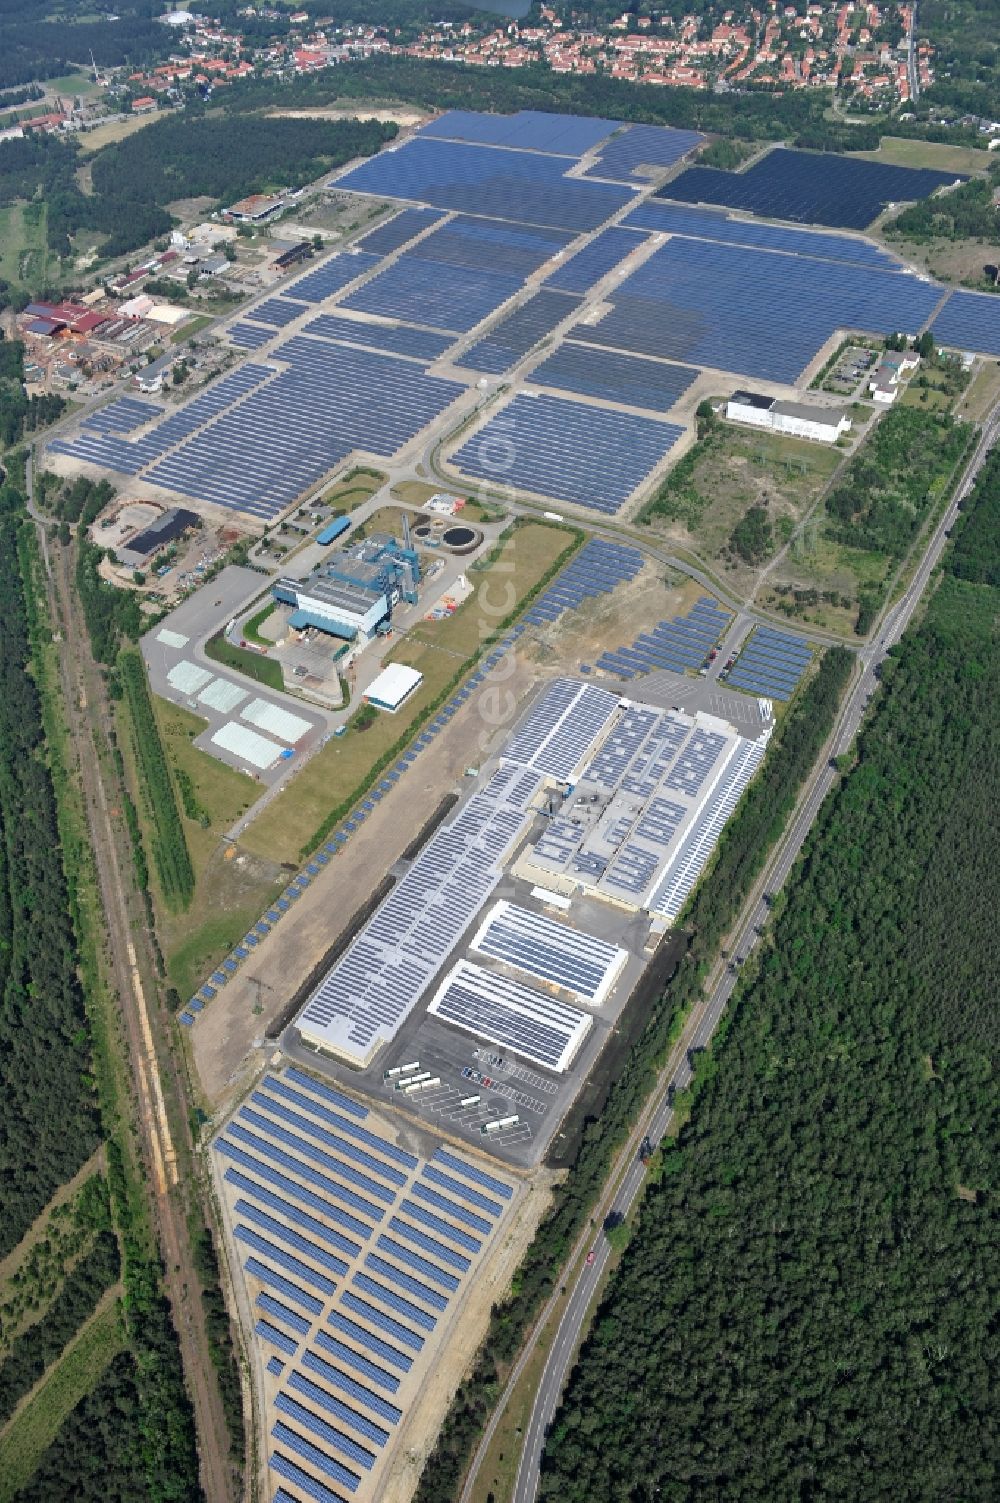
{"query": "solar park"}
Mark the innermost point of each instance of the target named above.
(509, 229)
(355, 1255)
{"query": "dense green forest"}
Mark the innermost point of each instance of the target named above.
(895, 480)
(965, 213)
(19, 413)
(181, 155)
(741, 853)
(36, 45)
(808, 1307)
(168, 845)
(967, 67)
(49, 1112)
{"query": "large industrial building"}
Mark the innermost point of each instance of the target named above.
(594, 797)
(823, 425)
(352, 593)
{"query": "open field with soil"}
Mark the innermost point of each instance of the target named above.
(897, 151)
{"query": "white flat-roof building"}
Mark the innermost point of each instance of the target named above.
(392, 686)
(809, 420)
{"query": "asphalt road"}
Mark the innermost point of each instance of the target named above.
(657, 1118)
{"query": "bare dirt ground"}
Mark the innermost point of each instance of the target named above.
(386, 115)
(223, 1044)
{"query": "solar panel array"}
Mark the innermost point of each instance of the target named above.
(398, 231)
(689, 302)
(809, 187)
(261, 454)
(372, 988)
(330, 276)
(123, 415)
(527, 130)
(771, 663)
(550, 951)
(519, 331)
(612, 377)
(680, 644)
(597, 569)
(526, 187)
(351, 1330)
(638, 146)
(567, 450)
(713, 224)
(556, 734)
(681, 874)
(423, 292)
(395, 339)
(969, 321)
(515, 250)
(528, 1022)
(248, 336)
(278, 311)
(584, 270)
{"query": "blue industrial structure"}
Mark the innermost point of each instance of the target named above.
(352, 593)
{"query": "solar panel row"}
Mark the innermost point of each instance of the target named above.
(680, 644)
(567, 450)
(527, 130)
(519, 331)
(516, 250)
(642, 146)
(809, 187)
(771, 663)
(714, 224)
(584, 270)
(613, 377)
(397, 231)
(522, 186)
(396, 339)
(969, 321)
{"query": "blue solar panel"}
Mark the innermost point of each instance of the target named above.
(403, 227)
(331, 276)
(463, 1239)
(272, 1280)
(429, 1244)
(277, 1338)
(472, 1172)
(294, 1239)
(123, 415)
(527, 130)
(402, 1280)
(328, 1465)
(420, 1265)
(332, 1140)
(417, 290)
(460, 1213)
(611, 377)
(639, 146)
(247, 337)
(376, 1317)
(567, 450)
(595, 260)
(284, 1207)
(278, 1311)
(338, 1408)
(292, 1473)
(353, 1359)
(337, 1378)
(394, 1301)
(969, 321)
(283, 1259)
(275, 1367)
(396, 339)
(309, 1150)
(305, 1171)
(521, 186)
(714, 224)
(278, 311)
(276, 1085)
(463, 1191)
(368, 1339)
(519, 331)
(809, 187)
(688, 301)
(340, 1441)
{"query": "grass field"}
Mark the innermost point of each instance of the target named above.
(76, 84)
(230, 890)
(250, 664)
(193, 326)
(35, 1423)
(983, 394)
(114, 130)
(439, 650)
(899, 152)
(24, 255)
(719, 480)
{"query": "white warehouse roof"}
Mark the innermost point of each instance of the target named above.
(393, 685)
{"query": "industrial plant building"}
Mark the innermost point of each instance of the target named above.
(352, 593)
(822, 425)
